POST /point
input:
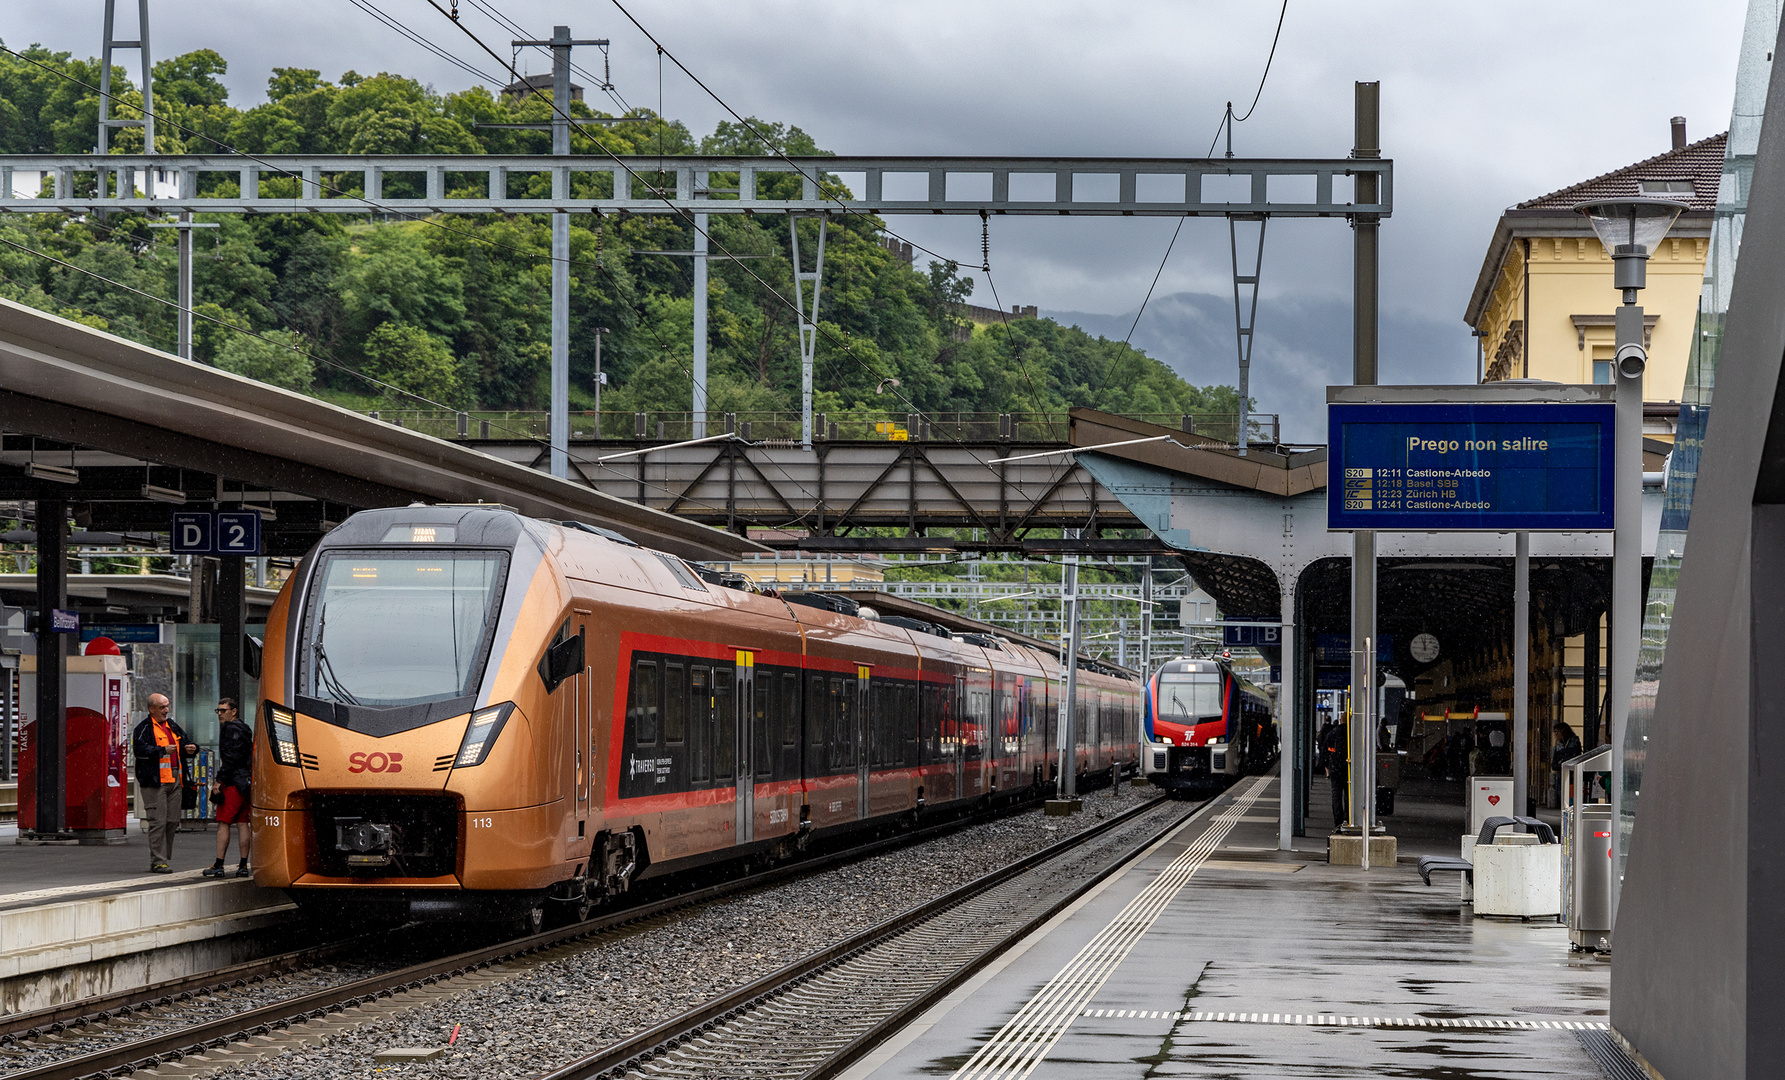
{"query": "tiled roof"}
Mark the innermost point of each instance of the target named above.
(1700, 162)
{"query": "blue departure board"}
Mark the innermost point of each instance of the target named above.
(1462, 467)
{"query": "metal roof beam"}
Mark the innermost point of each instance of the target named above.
(1054, 186)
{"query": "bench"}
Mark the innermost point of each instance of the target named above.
(1430, 864)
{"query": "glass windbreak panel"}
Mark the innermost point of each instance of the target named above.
(400, 628)
(1753, 73)
(1189, 697)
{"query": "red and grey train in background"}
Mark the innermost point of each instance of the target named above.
(1204, 724)
(465, 712)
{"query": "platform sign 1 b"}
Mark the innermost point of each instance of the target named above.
(1250, 633)
(1492, 467)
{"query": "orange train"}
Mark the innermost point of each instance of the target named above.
(466, 713)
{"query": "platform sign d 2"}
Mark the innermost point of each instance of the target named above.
(238, 532)
(227, 532)
(1487, 467)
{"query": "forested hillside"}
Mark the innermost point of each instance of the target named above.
(456, 310)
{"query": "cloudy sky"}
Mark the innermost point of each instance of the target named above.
(1483, 105)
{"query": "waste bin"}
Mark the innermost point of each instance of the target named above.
(1517, 874)
(97, 771)
(1588, 857)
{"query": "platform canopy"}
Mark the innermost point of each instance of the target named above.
(123, 416)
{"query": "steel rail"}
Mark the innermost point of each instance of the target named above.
(197, 1038)
(72, 1015)
(617, 1060)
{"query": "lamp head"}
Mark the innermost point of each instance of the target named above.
(1630, 230)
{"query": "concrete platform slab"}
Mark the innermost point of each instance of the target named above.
(82, 920)
(1198, 961)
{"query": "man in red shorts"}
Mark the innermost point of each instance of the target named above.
(235, 744)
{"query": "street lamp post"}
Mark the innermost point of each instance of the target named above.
(1629, 229)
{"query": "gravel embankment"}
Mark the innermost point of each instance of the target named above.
(565, 1008)
(562, 1008)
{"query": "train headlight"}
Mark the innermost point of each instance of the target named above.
(282, 727)
(480, 734)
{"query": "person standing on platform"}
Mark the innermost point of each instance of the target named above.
(1567, 749)
(235, 743)
(1333, 761)
(161, 749)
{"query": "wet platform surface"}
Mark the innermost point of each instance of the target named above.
(1216, 955)
(34, 874)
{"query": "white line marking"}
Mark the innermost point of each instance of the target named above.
(1025, 1039)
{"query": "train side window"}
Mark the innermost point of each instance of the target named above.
(645, 698)
(675, 704)
(834, 728)
(790, 709)
(932, 721)
(848, 706)
(877, 723)
(765, 692)
(817, 721)
(725, 727)
(700, 701)
(909, 718)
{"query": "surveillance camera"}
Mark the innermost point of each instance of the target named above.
(1632, 359)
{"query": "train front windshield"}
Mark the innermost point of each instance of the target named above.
(1187, 697)
(400, 628)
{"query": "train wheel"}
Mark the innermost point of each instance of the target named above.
(531, 921)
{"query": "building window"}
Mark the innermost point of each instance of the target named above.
(1665, 187)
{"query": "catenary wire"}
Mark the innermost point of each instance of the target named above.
(324, 359)
(843, 346)
(418, 39)
(336, 363)
(1228, 114)
(686, 214)
(779, 150)
(1110, 367)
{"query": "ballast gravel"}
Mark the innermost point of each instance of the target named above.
(548, 1014)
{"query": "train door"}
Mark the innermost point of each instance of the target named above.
(582, 733)
(744, 821)
(864, 733)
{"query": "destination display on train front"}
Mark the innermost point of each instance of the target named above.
(1470, 467)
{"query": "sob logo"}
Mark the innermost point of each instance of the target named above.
(377, 761)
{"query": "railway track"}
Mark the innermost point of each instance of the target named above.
(815, 1017)
(125, 1011)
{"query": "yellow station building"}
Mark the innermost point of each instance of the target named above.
(1542, 304)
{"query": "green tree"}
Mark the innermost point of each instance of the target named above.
(278, 357)
(415, 361)
(191, 79)
(393, 275)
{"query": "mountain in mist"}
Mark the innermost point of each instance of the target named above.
(1303, 346)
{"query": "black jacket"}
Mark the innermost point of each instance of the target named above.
(1333, 751)
(148, 755)
(235, 741)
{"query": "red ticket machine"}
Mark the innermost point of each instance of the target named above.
(97, 712)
